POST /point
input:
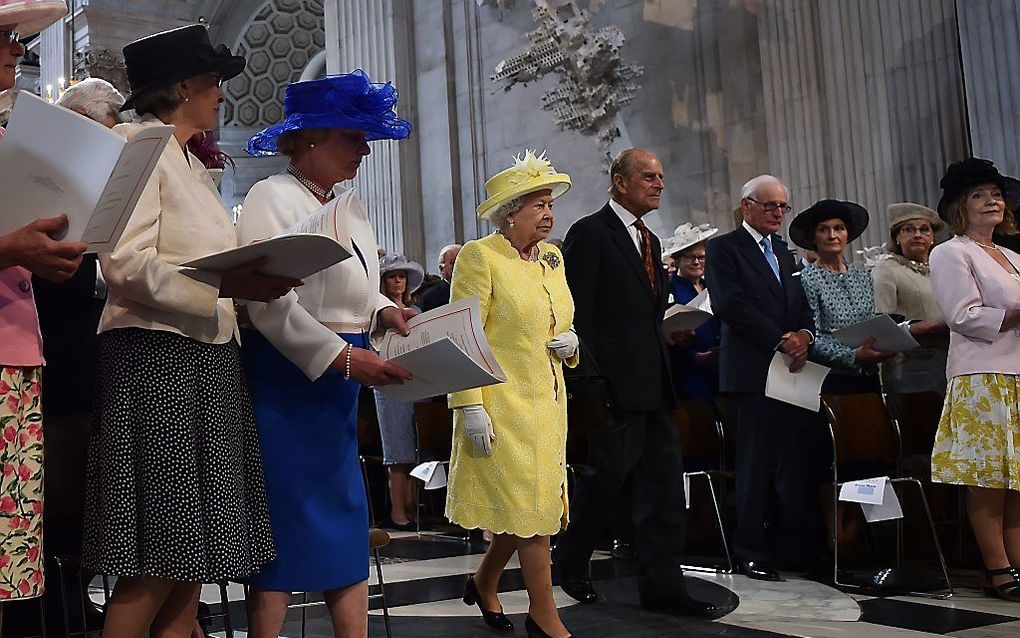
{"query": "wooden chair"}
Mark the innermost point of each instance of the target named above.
(862, 430)
(700, 438)
(434, 426)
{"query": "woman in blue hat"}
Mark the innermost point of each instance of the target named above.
(311, 353)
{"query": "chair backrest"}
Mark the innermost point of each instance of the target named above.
(434, 422)
(369, 439)
(699, 438)
(725, 414)
(862, 428)
(917, 414)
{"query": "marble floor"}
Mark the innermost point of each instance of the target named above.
(425, 574)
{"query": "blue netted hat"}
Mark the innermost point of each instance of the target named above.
(348, 101)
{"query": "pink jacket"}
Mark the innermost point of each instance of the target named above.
(20, 339)
(974, 292)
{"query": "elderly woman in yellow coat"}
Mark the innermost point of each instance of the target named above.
(508, 468)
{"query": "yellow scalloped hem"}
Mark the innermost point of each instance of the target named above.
(503, 527)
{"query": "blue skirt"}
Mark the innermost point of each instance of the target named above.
(309, 436)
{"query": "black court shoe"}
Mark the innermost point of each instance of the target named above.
(495, 619)
(534, 631)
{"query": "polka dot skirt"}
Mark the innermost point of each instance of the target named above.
(175, 486)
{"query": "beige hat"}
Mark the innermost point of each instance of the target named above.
(904, 211)
(29, 17)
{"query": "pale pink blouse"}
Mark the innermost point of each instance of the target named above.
(973, 292)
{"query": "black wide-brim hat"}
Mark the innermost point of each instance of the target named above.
(966, 174)
(168, 57)
(802, 229)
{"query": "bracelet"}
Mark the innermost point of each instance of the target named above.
(347, 363)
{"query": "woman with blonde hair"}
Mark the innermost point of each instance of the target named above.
(508, 466)
(977, 285)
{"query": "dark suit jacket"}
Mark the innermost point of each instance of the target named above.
(438, 295)
(68, 319)
(754, 309)
(615, 314)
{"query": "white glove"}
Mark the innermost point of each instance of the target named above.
(478, 427)
(564, 345)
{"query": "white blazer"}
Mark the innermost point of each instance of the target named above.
(303, 324)
(974, 292)
(179, 217)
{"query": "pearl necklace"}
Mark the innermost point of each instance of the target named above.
(532, 254)
(989, 247)
(316, 190)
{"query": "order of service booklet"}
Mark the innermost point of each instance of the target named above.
(311, 245)
(57, 161)
(446, 352)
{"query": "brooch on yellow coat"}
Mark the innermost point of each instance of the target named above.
(552, 259)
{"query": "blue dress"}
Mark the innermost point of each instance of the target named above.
(698, 382)
(309, 436)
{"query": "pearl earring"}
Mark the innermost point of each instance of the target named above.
(187, 99)
(311, 146)
(511, 223)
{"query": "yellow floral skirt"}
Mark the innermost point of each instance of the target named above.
(21, 484)
(978, 440)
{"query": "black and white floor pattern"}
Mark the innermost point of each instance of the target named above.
(425, 579)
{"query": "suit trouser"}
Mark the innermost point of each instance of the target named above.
(645, 445)
(777, 486)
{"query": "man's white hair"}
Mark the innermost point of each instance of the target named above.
(751, 187)
(95, 97)
(447, 248)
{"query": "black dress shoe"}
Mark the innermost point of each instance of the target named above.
(622, 550)
(534, 631)
(495, 619)
(759, 571)
(579, 588)
(681, 606)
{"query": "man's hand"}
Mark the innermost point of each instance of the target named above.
(396, 319)
(34, 247)
(796, 344)
(682, 338)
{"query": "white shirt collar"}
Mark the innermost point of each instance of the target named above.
(625, 215)
(755, 234)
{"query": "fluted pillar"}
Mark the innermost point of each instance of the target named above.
(362, 34)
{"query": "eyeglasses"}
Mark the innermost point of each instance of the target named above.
(693, 257)
(910, 230)
(9, 37)
(771, 207)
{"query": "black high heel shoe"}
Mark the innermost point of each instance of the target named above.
(495, 619)
(534, 631)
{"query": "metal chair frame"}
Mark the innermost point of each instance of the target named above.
(897, 480)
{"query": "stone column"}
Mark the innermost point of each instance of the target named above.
(364, 34)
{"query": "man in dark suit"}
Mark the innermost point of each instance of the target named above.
(439, 295)
(763, 310)
(620, 294)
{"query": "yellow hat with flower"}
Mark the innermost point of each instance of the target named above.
(528, 174)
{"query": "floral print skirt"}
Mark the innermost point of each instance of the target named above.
(978, 440)
(21, 484)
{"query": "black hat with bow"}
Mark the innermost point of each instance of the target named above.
(966, 174)
(169, 57)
